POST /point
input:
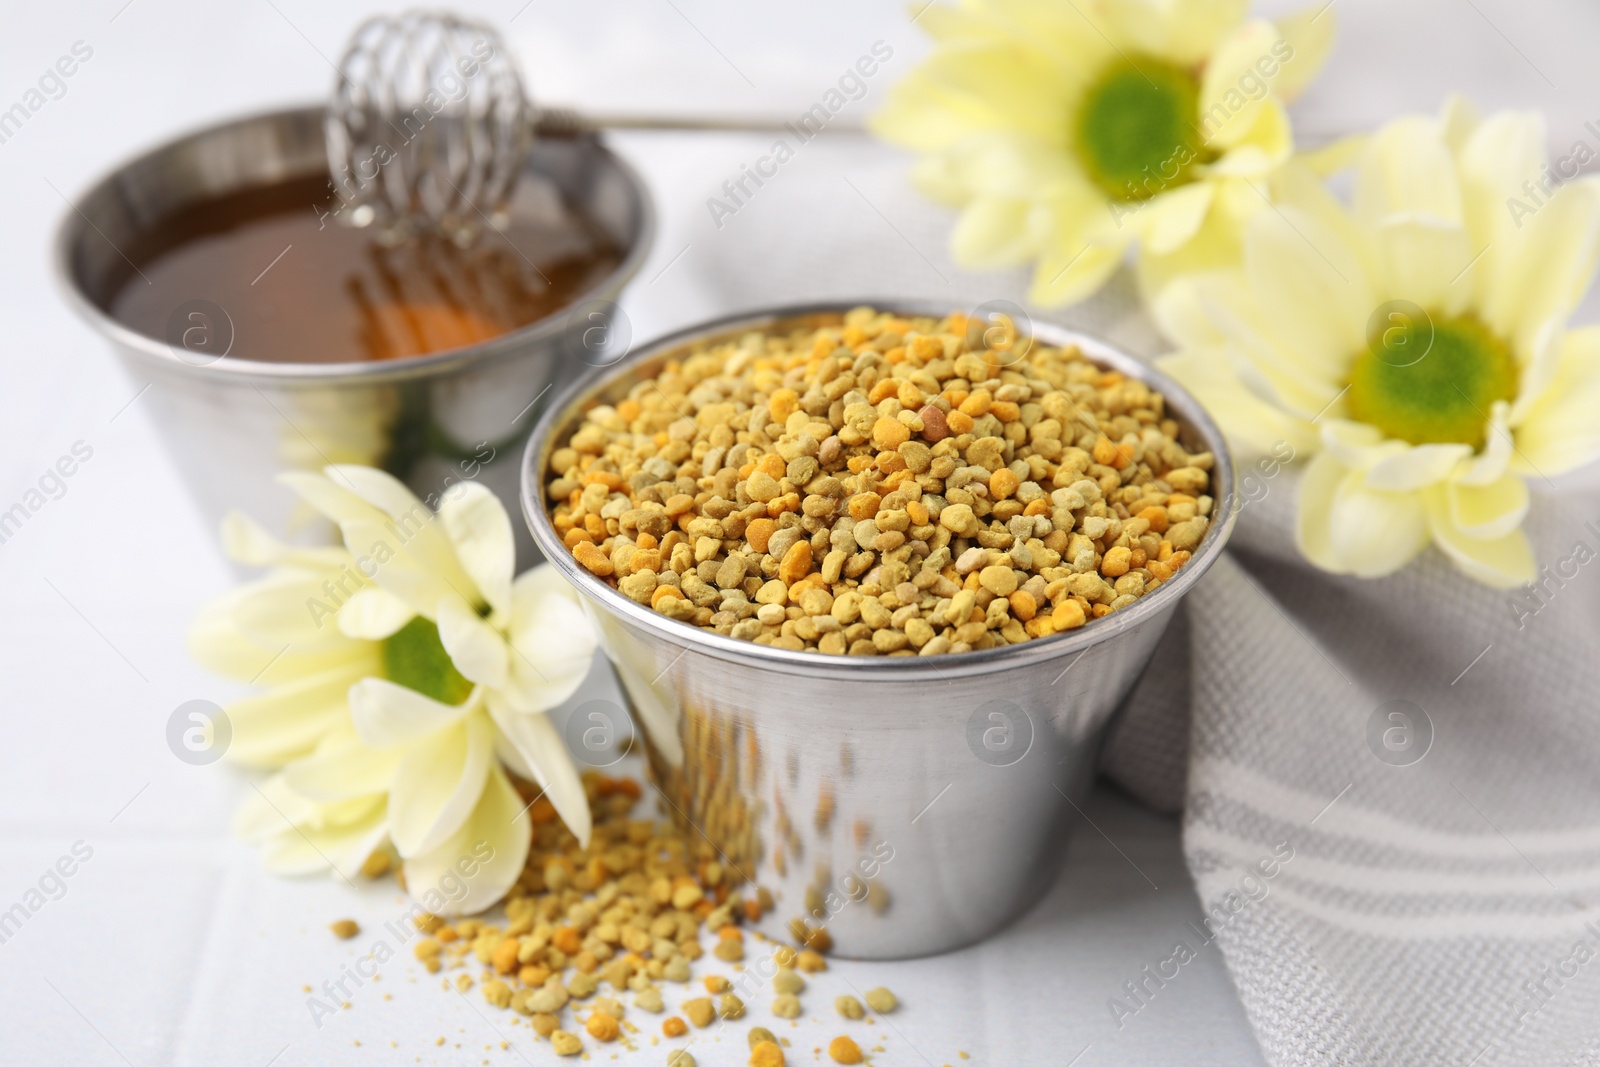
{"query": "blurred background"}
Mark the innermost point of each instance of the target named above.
(171, 945)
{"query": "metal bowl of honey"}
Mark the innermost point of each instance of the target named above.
(263, 332)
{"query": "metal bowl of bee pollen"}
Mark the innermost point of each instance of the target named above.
(885, 807)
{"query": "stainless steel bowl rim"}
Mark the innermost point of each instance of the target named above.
(366, 372)
(907, 668)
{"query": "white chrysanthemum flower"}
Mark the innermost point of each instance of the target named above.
(1416, 341)
(1067, 133)
(409, 668)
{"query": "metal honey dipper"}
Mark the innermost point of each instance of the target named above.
(429, 125)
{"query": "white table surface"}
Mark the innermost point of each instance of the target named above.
(170, 945)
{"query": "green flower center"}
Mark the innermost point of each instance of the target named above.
(1432, 393)
(1136, 131)
(413, 656)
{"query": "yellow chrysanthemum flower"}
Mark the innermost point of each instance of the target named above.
(1065, 133)
(1415, 341)
(407, 671)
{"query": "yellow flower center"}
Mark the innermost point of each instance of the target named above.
(1434, 390)
(414, 657)
(1136, 131)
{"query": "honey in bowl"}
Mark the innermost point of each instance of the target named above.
(293, 285)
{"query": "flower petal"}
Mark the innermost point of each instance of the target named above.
(336, 502)
(289, 606)
(1498, 155)
(1283, 371)
(480, 530)
(1549, 268)
(1172, 219)
(1501, 562)
(438, 784)
(1488, 512)
(1299, 184)
(269, 809)
(1538, 365)
(476, 648)
(1377, 533)
(1261, 148)
(1309, 33)
(1416, 467)
(534, 749)
(338, 846)
(246, 541)
(215, 642)
(1004, 164)
(1347, 528)
(1427, 262)
(374, 613)
(1312, 526)
(1011, 88)
(975, 87)
(957, 25)
(288, 720)
(486, 854)
(994, 231)
(386, 714)
(552, 639)
(1233, 90)
(350, 850)
(410, 532)
(924, 116)
(380, 489)
(1179, 312)
(1406, 171)
(1360, 446)
(1248, 420)
(1495, 458)
(1309, 288)
(300, 836)
(1061, 279)
(1216, 246)
(1560, 429)
(1457, 121)
(218, 644)
(383, 550)
(1179, 31)
(349, 769)
(1067, 36)
(1339, 154)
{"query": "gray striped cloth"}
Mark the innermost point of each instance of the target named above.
(1415, 759)
(1411, 890)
